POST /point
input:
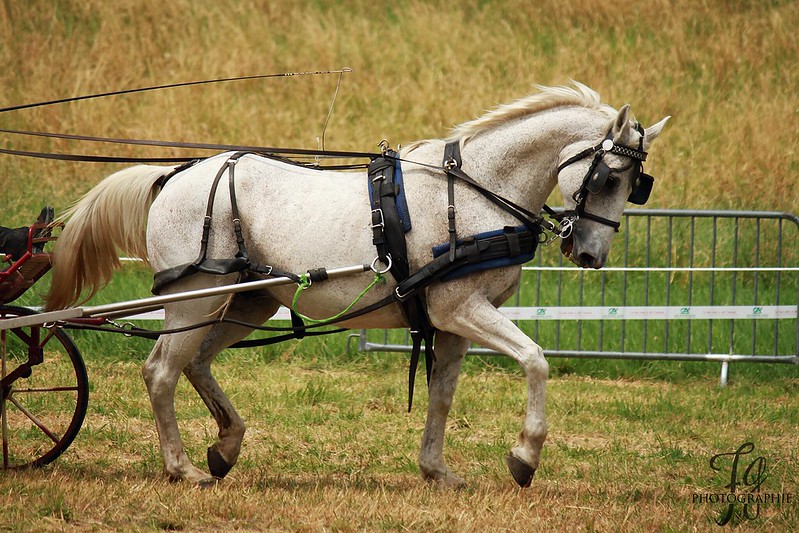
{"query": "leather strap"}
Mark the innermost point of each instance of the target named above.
(452, 159)
(240, 262)
(266, 150)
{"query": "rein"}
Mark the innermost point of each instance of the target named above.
(267, 150)
(172, 86)
(171, 144)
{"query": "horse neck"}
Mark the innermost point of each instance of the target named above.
(519, 159)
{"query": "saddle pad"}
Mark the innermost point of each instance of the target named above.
(523, 256)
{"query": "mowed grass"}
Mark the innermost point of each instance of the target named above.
(330, 447)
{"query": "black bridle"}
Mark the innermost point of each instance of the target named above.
(599, 174)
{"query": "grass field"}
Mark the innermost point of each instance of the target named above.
(330, 447)
(329, 444)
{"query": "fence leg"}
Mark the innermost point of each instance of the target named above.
(725, 373)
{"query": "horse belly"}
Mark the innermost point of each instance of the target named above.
(325, 229)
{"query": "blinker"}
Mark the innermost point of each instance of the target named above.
(642, 188)
(598, 178)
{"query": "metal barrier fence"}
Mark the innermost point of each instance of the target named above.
(679, 285)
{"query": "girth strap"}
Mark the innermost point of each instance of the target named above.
(388, 237)
(387, 233)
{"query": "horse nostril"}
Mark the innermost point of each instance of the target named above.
(587, 260)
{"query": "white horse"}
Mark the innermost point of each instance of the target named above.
(297, 218)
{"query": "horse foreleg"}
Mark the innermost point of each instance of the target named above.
(478, 320)
(450, 350)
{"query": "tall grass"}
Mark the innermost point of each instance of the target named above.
(725, 70)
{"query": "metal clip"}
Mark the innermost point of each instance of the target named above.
(566, 227)
(384, 146)
(121, 326)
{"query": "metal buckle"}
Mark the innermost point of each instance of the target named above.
(382, 223)
(401, 297)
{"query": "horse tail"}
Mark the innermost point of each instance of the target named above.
(110, 219)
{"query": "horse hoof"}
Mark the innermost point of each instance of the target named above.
(449, 481)
(217, 465)
(208, 483)
(522, 472)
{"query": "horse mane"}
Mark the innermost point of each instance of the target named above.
(546, 98)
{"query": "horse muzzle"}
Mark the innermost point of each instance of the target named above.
(581, 253)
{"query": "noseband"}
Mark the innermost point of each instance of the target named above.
(599, 174)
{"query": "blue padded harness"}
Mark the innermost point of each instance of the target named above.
(521, 255)
(399, 198)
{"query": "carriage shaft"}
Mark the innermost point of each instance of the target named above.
(132, 307)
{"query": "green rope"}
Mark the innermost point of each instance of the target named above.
(305, 282)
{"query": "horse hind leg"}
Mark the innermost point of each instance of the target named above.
(161, 372)
(194, 350)
(224, 453)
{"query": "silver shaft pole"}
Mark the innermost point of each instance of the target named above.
(131, 307)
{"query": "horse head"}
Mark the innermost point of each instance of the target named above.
(597, 180)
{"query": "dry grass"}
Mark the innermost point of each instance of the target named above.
(331, 449)
(725, 70)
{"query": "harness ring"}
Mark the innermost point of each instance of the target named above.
(373, 266)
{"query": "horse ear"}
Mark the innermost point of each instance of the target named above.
(651, 133)
(621, 125)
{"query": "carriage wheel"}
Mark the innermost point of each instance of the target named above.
(45, 392)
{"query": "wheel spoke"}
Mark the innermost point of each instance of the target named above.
(51, 389)
(35, 420)
(5, 433)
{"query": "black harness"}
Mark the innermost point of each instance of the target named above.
(600, 174)
(389, 223)
(458, 257)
